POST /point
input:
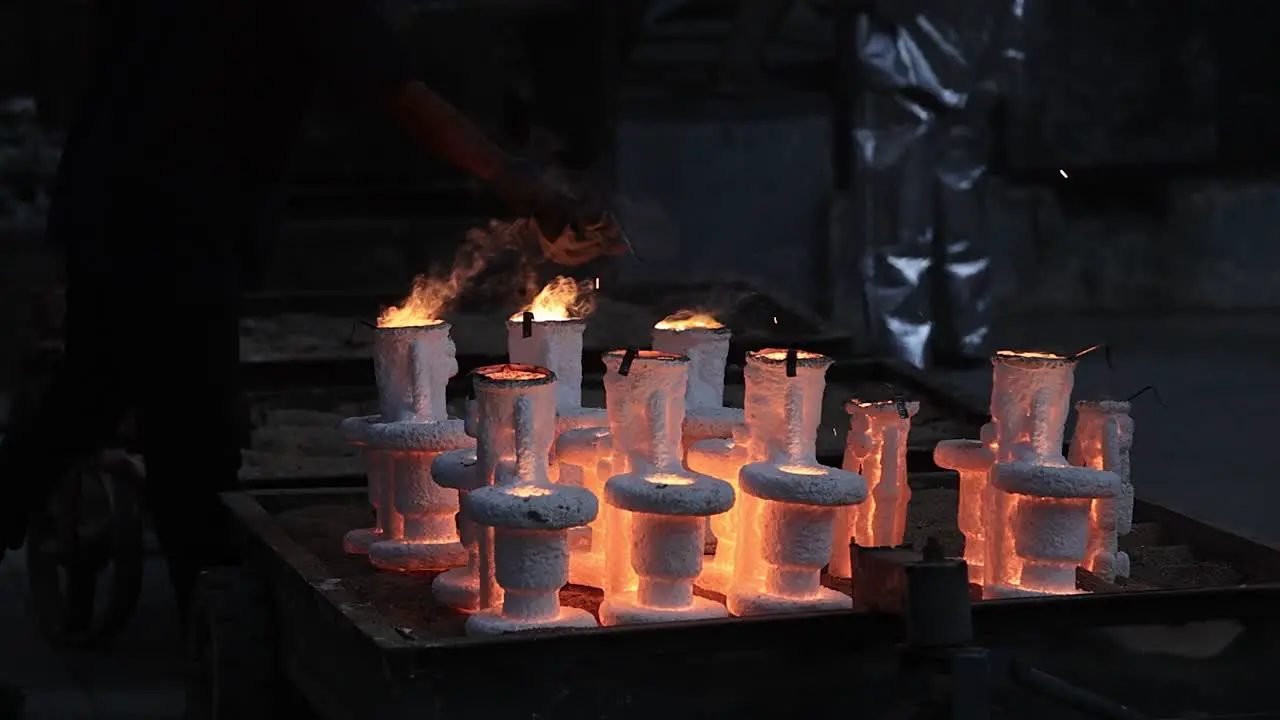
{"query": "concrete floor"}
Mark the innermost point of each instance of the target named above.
(1203, 455)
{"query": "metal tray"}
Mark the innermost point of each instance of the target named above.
(349, 661)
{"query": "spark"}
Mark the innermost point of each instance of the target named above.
(1063, 173)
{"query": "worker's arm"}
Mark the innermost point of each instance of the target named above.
(436, 125)
(352, 44)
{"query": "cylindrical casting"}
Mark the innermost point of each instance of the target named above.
(1030, 398)
(876, 449)
(708, 352)
(555, 345)
(644, 397)
(412, 366)
(1103, 440)
(783, 404)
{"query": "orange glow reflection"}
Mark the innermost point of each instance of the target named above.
(811, 470)
(527, 491)
(668, 479)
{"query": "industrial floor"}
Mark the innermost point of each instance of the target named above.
(1203, 454)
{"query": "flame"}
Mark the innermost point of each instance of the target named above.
(562, 299)
(689, 320)
(434, 292)
(424, 305)
(527, 491)
(776, 354)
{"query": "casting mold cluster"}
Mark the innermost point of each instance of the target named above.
(1036, 510)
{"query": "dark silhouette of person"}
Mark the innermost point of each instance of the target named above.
(164, 182)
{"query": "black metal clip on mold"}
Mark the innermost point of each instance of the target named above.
(628, 357)
(792, 357)
(527, 320)
(898, 398)
(900, 404)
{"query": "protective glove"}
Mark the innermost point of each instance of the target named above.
(574, 231)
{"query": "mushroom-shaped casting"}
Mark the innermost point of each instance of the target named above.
(526, 517)
(655, 509)
(414, 529)
(1036, 510)
(788, 502)
(504, 394)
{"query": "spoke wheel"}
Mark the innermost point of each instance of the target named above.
(84, 552)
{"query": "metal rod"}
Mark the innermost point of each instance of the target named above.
(1078, 698)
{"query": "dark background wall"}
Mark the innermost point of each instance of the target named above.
(1161, 112)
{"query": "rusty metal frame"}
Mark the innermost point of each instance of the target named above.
(350, 662)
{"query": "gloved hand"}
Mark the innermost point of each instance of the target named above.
(574, 231)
